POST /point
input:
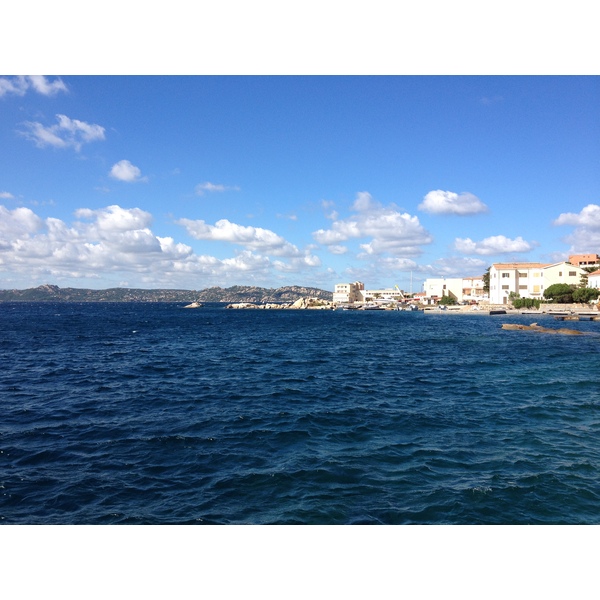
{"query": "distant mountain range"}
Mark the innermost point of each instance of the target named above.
(237, 293)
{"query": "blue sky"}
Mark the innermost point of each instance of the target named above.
(196, 181)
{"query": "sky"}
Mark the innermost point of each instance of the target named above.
(204, 180)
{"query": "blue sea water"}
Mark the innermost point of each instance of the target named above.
(151, 414)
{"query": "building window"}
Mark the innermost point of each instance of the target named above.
(522, 274)
(505, 274)
(505, 287)
(572, 273)
(522, 287)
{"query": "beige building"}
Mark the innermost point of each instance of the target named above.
(529, 280)
(473, 289)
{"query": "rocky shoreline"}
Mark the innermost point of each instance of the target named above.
(301, 303)
(539, 329)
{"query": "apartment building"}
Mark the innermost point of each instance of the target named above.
(444, 286)
(529, 280)
(346, 293)
(585, 260)
(462, 289)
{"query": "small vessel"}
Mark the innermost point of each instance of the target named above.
(373, 307)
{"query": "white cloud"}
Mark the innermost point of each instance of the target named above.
(19, 85)
(439, 202)
(116, 219)
(6, 195)
(496, 244)
(112, 239)
(125, 171)
(586, 235)
(47, 88)
(113, 244)
(207, 186)
(253, 238)
(459, 267)
(588, 217)
(67, 133)
(391, 231)
(18, 223)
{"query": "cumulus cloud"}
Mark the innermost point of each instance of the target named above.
(19, 86)
(67, 133)
(496, 244)
(17, 223)
(439, 202)
(125, 171)
(390, 231)
(253, 238)
(103, 241)
(588, 217)
(116, 244)
(458, 267)
(586, 235)
(209, 187)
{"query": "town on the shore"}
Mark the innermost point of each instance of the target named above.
(503, 285)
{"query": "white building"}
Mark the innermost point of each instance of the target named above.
(529, 280)
(438, 288)
(594, 280)
(346, 293)
(395, 294)
(462, 289)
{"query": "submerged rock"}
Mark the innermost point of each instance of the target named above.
(539, 329)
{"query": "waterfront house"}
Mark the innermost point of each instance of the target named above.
(529, 280)
(594, 280)
(462, 289)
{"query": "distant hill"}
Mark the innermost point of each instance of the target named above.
(244, 293)
(237, 293)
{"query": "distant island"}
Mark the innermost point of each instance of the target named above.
(237, 293)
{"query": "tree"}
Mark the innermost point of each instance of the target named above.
(447, 300)
(486, 281)
(561, 293)
(585, 295)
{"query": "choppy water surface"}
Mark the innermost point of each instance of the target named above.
(148, 413)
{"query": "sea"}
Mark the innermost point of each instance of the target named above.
(152, 414)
